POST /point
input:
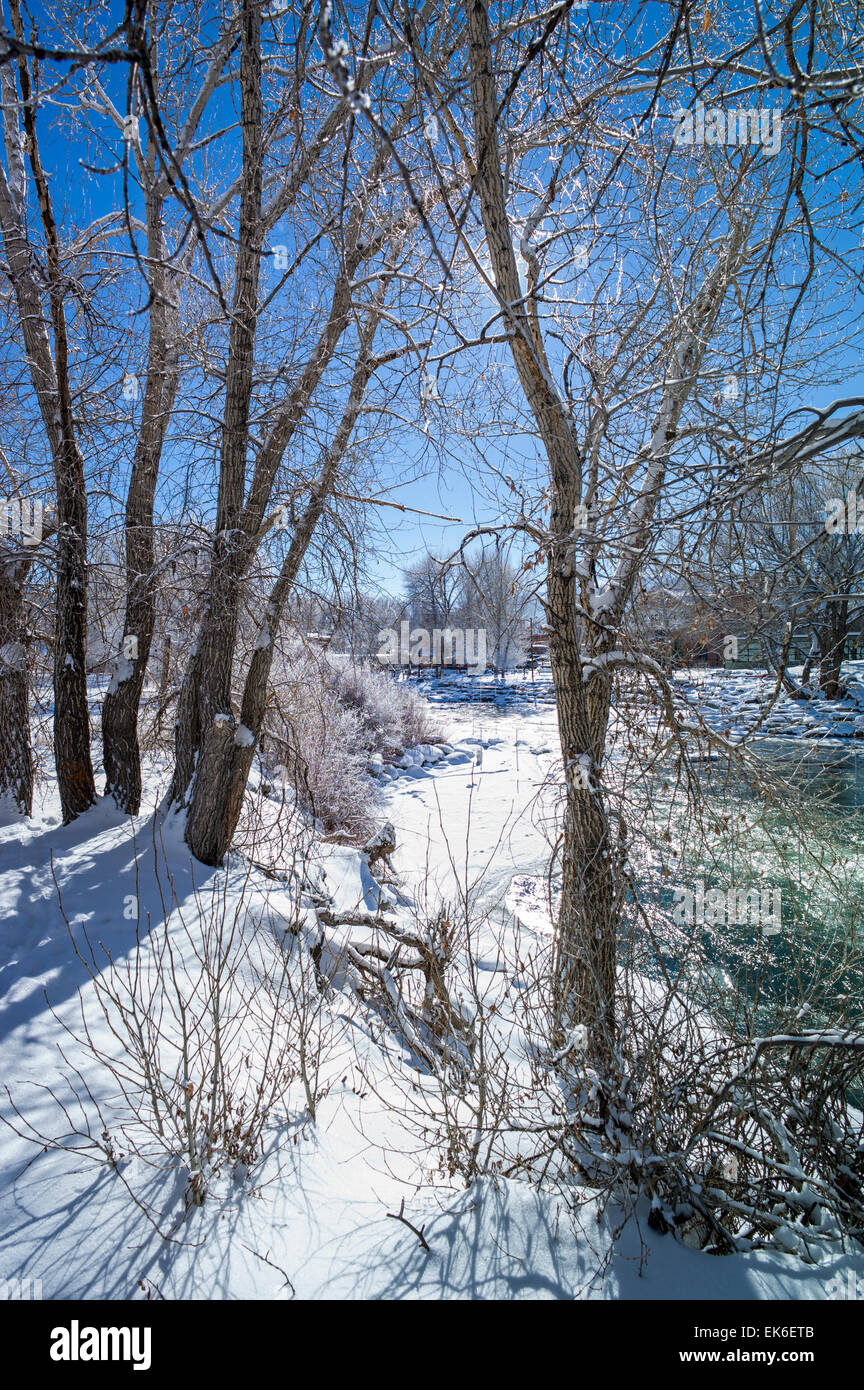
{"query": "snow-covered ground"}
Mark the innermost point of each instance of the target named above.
(315, 1213)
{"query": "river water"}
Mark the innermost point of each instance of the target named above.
(793, 827)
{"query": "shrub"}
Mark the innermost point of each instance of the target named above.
(328, 716)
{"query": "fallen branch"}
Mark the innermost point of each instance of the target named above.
(266, 1261)
(399, 1216)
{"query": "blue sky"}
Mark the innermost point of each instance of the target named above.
(435, 475)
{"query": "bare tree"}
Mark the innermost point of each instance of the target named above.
(209, 775)
(629, 281)
(498, 599)
(163, 276)
(17, 555)
(41, 296)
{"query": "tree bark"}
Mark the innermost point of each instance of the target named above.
(16, 753)
(206, 689)
(584, 985)
(220, 781)
(120, 708)
(832, 642)
(51, 382)
(586, 937)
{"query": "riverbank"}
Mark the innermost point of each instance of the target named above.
(314, 1218)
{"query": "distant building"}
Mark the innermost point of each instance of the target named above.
(752, 653)
(537, 650)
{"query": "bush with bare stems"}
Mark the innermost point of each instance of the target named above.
(188, 1050)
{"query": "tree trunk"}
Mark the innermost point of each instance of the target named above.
(51, 382)
(811, 658)
(833, 649)
(587, 930)
(220, 781)
(71, 710)
(16, 753)
(120, 746)
(584, 980)
(223, 771)
(206, 688)
(207, 811)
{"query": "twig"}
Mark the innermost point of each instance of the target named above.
(397, 506)
(266, 1261)
(398, 1216)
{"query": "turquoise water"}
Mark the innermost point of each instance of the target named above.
(793, 829)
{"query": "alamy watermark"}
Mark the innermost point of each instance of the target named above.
(449, 646)
(24, 517)
(77, 1343)
(759, 908)
(711, 125)
(20, 1290)
(844, 516)
(848, 1286)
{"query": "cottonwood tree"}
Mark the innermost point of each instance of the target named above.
(27, 526)
(42, 285)
(198, 232)
(25, 531)
(498, 599)
(164, 269)
(629, 279)
(222, 774)
(358, 232)
(75, 258)
(583, 615)
(433, 592)
(813, 557)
